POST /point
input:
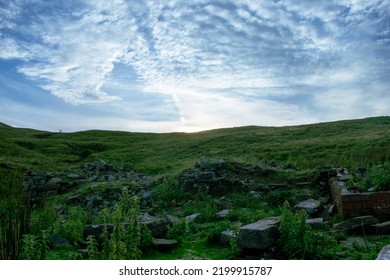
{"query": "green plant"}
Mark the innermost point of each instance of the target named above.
(127, 237)
(177, 231)
(30, 247)
(92, 248)
(14, 214)
(35, 247)
(43, 218)
(72, 228)
(299, 241)
(168, 193)
(146, 237)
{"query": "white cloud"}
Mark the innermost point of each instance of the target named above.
(218, 61)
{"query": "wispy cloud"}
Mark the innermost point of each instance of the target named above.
(216, 63)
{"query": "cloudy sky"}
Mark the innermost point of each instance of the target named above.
(191, 65)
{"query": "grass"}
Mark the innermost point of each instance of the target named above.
(351, 142)
(306, 148)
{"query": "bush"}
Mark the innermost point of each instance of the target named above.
(169, 192)
(72, 228)
(35, 247)
(378, 178)
(299, 241)
(177, 231)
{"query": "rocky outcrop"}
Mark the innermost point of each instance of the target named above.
(38, 185)
(260, 235)
(220, 177)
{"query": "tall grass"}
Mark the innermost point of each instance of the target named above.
(14, 215)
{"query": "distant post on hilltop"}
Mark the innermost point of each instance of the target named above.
(60, 130)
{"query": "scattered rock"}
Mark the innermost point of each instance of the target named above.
(192, 217)
(316, 222)
(165, 244)
(382, 228)
(384, 254)
(255, 194)
(223, 214)
(227, 235)
(260, 235)
(354, 242)
(157, 226)
(357, 223)
(172, 219)
(311, 206)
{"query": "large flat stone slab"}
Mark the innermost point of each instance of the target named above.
(260, 235)
(312, 206)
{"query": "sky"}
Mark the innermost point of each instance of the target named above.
(164, 66)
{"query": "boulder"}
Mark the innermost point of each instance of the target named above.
(357, 223)
(384, 254)
(227, 235)
(223, 214)
(382, 228)
(316, 222)
(260, 235)
(164, 244)
(311, 206)
(192, 217)
(157, 226)
(172, 219)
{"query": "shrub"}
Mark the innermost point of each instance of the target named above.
(35, 247)
(177, 231)
(299, 241)
(169, 192)
(378, 178)
(72, 228)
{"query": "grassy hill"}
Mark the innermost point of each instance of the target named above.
(352, 142)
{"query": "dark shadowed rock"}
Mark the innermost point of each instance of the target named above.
(227, 235)
(164, 244)
(382, 228)
(357, 223)
(260, 235)
(158, 226)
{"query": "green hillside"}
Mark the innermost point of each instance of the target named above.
(76, 180)
(353, 142)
